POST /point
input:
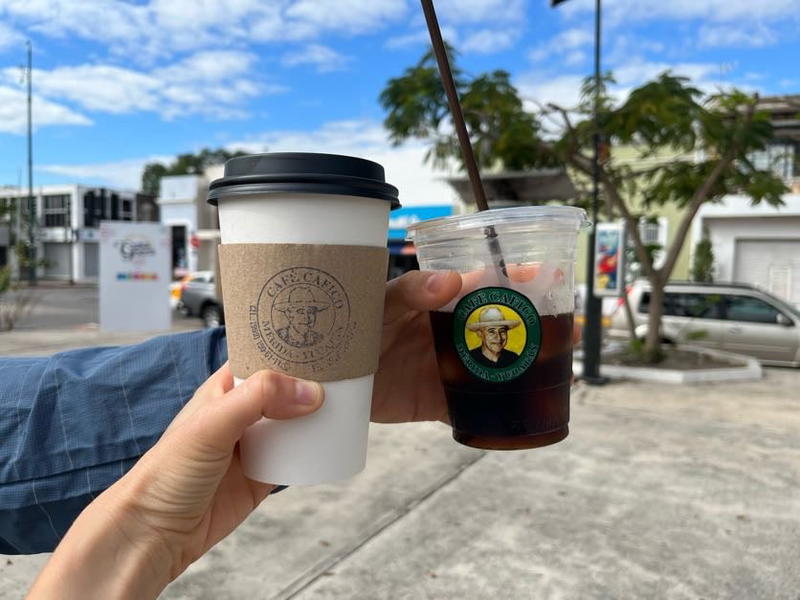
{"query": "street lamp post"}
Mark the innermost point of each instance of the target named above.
(593, 312)
(31, 199)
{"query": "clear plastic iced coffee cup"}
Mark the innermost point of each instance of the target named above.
(504, 345)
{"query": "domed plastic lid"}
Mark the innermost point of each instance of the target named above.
(303, 172)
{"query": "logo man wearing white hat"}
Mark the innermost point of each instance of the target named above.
(492, 327)
(301, 310)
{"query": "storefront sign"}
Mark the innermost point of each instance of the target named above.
(609, 274)
(134, 276)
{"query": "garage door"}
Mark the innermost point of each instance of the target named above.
(91, 259)
(56, 256)
(773, 265)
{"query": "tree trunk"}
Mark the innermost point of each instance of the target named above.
(652, 346)
(629, 316)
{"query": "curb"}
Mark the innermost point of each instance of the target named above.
(743, 368)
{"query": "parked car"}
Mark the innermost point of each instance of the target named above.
(733, 317)
(199, 299)
(176, 289)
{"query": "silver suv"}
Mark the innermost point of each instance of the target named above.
(732, 317)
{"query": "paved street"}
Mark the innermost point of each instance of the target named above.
(659, 492)
(59, 306)
(66, 317)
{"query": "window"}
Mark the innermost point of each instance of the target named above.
(692, 306)
(88, 209)
(781, 158)
(750, 310)
(127, 210)
(55, 210)
(115, 206)
(653, 232)
(6, 207)
(94, 208)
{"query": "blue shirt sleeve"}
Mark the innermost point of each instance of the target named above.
(74, 423)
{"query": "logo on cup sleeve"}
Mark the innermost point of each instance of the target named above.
(302, 317)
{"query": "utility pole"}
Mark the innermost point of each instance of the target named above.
(593, 311)
(31, 199)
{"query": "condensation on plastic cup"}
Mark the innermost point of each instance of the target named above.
(538, 245)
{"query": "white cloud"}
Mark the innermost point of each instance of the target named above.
(157, 28)
(563, 90)
(14, 115)
(487, 41)
(126, 174)
(625, 11)
(481, 11)
(637, 71)
(755, 36)
(211, 83)
(325, 58)
(563, 43)
(352, 16)
(624, 46)
(9, 37)
(421, 38)
(575, 58)
(418, 183)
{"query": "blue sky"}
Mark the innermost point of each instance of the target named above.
(117, 84)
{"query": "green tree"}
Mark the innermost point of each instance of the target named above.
(703, 261)
(708, 139)
(184, 164)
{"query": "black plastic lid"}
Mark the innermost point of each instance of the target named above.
(303, 172)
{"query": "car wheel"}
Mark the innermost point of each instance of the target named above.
(212, 316)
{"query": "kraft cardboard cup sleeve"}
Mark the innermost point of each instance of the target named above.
(312, 311)
(504, 345)
(303, 266)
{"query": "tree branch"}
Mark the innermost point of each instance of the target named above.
(699, 197)
(632, 223)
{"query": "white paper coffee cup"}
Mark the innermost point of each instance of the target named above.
(330, 444)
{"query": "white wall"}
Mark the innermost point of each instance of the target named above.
(177, 188)
(180, 214)
(725, 231)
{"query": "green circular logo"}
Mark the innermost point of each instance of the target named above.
(497, 333)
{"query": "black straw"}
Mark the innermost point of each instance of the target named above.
(461, 128)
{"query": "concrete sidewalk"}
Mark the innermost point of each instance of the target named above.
(36, 342)
(659, 492)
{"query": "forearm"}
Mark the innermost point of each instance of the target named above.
(74, 423)
(106, 555)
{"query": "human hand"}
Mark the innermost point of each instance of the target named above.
(407, 385)
(183, 496)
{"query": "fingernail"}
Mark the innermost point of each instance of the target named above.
(436, 282)
(306, 393)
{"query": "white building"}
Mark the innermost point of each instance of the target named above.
(67, 221)
(759, 245)
(192, 221)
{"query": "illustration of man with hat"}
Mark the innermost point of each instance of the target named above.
(300, 309)
(492, 327)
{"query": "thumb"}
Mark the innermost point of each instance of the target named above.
(263, 394)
